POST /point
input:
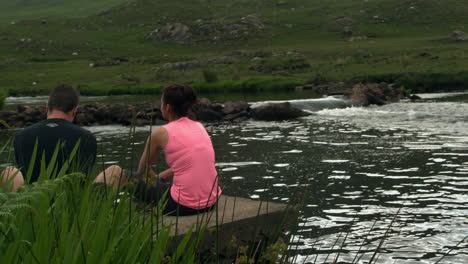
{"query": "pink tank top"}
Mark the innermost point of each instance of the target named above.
(190, 154)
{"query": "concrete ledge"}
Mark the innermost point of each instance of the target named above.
(243, 219)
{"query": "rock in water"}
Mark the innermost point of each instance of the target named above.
(235, 107)
(277, 111)
(376, 93)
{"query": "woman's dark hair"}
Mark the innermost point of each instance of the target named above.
(63, 98)
(180, 97)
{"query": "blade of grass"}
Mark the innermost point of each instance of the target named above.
(448, 252)
(385, 236)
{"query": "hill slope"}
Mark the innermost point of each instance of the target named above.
(320, 40)
(15, 10)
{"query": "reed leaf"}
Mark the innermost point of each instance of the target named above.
(32, 162)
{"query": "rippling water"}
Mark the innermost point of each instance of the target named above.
(356, 167)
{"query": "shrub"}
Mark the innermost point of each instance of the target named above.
(210, 76)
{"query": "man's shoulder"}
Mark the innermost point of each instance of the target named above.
(82, 131)
(30, 129)
(55, 126)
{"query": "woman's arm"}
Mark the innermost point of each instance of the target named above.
(156, 141)
(167, 174)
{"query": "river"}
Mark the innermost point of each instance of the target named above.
(357, 166)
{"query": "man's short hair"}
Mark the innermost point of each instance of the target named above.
(63, 98)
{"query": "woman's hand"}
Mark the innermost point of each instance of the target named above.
(167, 174)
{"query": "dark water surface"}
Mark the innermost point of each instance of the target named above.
(357, 167)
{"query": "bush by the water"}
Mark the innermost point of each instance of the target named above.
(210, 76)
(3, 96)
(422, 82)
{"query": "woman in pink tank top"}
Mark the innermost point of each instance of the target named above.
(189, 154)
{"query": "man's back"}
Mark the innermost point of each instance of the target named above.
(48, 134)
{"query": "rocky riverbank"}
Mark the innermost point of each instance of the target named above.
(146, 114)
(204, 110)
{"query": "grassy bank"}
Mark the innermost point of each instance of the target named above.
(241, 86)
(311, 41)
(422, 82)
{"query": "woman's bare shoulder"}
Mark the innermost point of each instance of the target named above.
(160, 136)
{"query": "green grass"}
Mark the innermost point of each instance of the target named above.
(252, 85)
(66, 221)
(249, 86)
(403, 37)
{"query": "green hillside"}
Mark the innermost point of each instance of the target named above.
(15, 10)
(297, 41)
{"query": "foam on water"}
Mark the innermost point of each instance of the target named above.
(238, 164)
(313, 105)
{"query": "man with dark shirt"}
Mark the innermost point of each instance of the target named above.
(55, 139)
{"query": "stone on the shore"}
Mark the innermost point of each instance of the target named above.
(253, 21)
(361, 53)
(276, 112)
(344, 21)
(207, 29)
(181, 65)
(357, 38)
(458, 35)
(178, 33)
